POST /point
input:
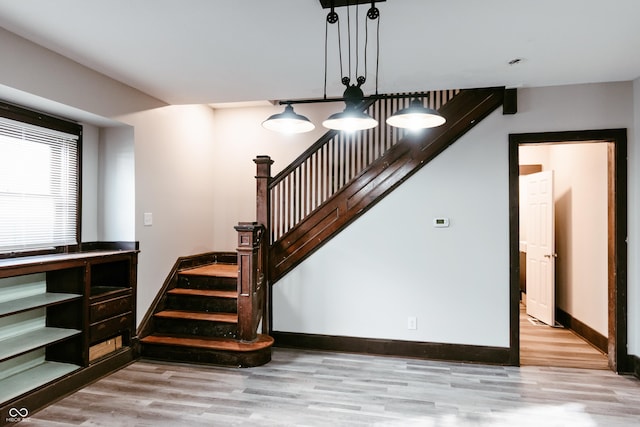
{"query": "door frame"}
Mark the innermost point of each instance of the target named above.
(616, 241)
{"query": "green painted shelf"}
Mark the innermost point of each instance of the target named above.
(25, 381)
(36, 301)
(32, 340)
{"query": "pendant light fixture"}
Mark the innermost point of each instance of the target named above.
(288, 122)
(353, 117)
(416, 116)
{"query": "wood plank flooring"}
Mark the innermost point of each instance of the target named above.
(542, 345)
(307, 388)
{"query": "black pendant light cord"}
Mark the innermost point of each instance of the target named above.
(358, 42)
(377, 51)
(373, 14)
(349, 47)
(326, 30)
(332, 18)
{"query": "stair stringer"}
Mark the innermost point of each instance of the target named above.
(400, 162)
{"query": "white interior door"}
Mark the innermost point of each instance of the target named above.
(540, 237)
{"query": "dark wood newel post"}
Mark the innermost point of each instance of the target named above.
(263, 217)
(263, 178)
(250, 282)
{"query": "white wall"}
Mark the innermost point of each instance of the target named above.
(580, 191)
(116, 187)
(174, 167)
(41, 72)
(454, 280)
(89, 227)
(581, 232)
(392, 263)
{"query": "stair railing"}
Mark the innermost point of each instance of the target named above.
(320, 172)
(332, 162)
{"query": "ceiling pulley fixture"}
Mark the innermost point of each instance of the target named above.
(354, 118)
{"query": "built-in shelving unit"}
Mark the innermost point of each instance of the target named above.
(65, 319)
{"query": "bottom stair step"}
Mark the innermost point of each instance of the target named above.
(263, 341)
(216, 351)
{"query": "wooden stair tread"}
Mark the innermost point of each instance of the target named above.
(226, 344)
(203, 293)
(214, 270)
(198, 315)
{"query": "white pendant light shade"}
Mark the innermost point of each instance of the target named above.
(288, 122)
(350, 120)
(416, 116)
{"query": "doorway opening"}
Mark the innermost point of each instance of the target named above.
(616, 143)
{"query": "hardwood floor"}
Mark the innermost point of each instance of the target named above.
(542, 345)
(306, 388)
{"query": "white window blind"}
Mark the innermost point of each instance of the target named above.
(38, 187)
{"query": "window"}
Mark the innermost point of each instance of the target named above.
(39, 182)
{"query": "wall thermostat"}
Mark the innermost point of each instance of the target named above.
(440, 222)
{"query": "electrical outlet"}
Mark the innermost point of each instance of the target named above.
(412, 323)
(147, 218)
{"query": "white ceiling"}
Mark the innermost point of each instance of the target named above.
(215, 51)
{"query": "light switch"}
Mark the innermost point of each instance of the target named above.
(148, 219)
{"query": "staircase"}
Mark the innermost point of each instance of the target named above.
(211, 305)
(196, 319)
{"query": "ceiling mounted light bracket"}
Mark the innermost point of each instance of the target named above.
(353, 95)
(327, 4)
(353, 118)
(332, 17)
(373, 12)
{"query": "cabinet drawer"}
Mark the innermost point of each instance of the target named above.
(110, 308)
(110, 327)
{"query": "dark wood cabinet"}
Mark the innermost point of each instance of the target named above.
(65, 320)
